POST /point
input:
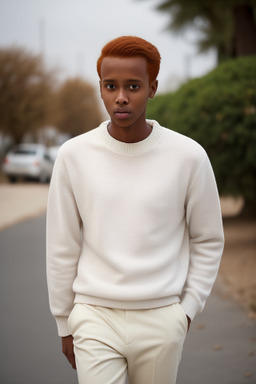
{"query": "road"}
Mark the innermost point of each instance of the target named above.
(30, 348)
(220, 347)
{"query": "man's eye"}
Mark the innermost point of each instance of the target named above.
(110, 86)
(134, 86)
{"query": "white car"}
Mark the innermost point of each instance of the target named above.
(30, 161)
(53, 151)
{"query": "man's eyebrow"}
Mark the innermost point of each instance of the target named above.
(134, 81)
(128, 80)
(108, 80)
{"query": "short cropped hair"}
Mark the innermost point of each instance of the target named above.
(132, 46)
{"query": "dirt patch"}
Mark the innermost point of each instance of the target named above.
(238, 266)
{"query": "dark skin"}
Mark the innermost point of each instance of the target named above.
(68, 350)
(125, 89)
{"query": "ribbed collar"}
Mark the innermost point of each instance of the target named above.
(131, 148)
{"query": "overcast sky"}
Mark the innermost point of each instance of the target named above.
(71, 33)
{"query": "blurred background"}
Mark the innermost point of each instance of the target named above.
(48, 61)
(49, 93)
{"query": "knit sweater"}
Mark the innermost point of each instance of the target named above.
(132, 226)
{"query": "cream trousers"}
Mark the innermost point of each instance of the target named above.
(111, 343)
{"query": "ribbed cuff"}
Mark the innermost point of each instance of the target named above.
(190, 305)
(62, 325)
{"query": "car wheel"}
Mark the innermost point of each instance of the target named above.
(12, 179)
(43, 178)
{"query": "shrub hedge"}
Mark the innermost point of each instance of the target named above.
(219, 111)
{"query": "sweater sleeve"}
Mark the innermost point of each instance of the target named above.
(205, 228)
(63, 244)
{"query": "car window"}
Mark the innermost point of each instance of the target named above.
(24, 152)
(47, 157)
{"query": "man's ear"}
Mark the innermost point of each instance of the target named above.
(153, 88)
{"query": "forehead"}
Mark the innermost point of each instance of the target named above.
(124, 67)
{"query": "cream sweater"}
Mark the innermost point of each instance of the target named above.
(132, 226)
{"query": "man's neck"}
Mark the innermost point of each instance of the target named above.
(132, 134)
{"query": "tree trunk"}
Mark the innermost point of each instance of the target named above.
(244, 31)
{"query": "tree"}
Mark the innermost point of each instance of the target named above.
(229, 25)
(219, 111)
(77, 108)
(25, 93)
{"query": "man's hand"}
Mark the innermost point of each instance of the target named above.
(189, 322)
(68, 350)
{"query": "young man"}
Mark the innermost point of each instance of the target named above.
(134, 232)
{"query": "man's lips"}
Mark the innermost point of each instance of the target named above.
(122, 113)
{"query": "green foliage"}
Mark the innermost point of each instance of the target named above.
(219, 111)
(228, 26)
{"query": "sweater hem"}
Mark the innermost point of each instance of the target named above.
(129, 305)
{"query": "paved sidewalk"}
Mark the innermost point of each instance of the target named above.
(19, 202)
(221, 345)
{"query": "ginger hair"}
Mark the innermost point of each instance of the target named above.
(132, 46)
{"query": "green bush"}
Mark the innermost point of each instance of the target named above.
(219, 111)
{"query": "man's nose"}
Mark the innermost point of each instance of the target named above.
(121, 97)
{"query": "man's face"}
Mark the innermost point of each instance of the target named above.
(125, 89)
